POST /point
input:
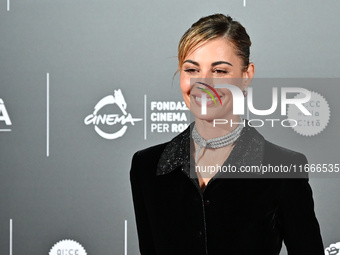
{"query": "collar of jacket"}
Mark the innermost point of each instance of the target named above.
(248, 151)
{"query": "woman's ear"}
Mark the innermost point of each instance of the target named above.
(248, 75)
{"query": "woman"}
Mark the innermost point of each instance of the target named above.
(180, 210)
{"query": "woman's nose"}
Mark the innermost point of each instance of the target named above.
(206, 75)
(207, 78)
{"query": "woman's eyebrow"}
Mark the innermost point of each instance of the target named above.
(213, 64)
(221, 62)
(192, 62)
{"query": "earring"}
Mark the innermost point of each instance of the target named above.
(245, 92)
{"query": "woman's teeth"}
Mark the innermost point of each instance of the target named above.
(208, 99)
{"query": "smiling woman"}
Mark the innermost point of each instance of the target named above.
(191, 195)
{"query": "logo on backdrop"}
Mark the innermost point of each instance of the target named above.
(314, 124)
(333, 249)
(4, 117)
(168, 116)
(121, 119)
(67, 247)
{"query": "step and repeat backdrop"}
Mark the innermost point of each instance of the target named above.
(85, 84)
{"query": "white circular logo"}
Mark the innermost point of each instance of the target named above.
(310, 125)
(111, 119)
(333, 249)
(67, 247)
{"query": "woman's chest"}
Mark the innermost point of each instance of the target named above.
(235, 200)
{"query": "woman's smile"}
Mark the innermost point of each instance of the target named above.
(197, 98)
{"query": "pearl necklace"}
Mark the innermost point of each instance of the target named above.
(217, 142)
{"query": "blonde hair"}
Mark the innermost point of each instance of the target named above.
(211, 27)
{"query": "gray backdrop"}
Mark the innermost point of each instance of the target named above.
(77, 186)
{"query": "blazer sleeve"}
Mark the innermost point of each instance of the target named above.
(300, 228)
(146, 245)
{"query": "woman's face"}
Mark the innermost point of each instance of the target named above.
(214, 59)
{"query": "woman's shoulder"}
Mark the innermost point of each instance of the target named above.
(253, 140)
(149, 155)
(152, 151)
(164, 156)
(144, 162)
(291, 163)
(277, 153)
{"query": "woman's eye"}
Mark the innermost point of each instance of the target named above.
(190, 70)
(220, 71)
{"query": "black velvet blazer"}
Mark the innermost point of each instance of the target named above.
(233, 216)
